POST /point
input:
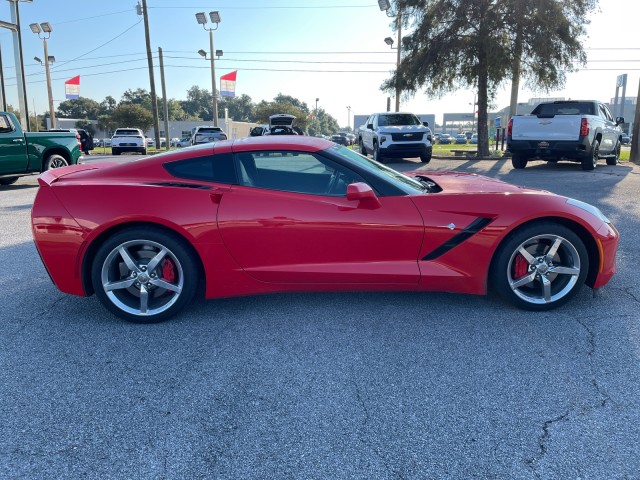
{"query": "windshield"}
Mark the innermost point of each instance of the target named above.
(407, 184)
(398, 119)
(127, 132)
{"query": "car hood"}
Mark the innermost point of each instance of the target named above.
(459, 182)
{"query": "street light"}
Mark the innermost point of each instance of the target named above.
(349, 118)
(43, 30)
(14, 26)
(201, 18)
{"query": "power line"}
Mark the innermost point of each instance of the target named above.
(292, 7)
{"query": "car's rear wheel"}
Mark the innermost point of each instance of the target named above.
(425, 158)
(616, 158)
(8, 181)
(144, 274)
(55, 161)
(144, 151)
(115, 151)
(518, 161)
(363, 150)
(540, 267)
(590, 162)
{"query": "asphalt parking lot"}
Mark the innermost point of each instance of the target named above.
(317, 386)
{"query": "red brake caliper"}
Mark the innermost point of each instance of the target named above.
(520, 267)
(168, 271)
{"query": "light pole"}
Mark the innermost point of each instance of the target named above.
(385, 6)
(348, 118)
(473, 111)
(202, 20)
(14, 26)
(43, 30)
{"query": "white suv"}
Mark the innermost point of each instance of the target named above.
(128, 140)
(395, 135)
(206, 134)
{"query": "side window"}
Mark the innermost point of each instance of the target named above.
(211, 168)
(607, 113)
(299, 172)
(5, 124)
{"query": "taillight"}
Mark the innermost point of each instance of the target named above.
(584, 127)
(78, 139)
(510, 128)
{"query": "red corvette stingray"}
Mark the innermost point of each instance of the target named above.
(275, 214)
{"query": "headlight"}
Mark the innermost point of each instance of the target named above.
(588, 208)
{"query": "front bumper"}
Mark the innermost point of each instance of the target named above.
(405, 150)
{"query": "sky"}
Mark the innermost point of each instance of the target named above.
(332, 50)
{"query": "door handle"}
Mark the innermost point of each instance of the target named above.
(18, 140)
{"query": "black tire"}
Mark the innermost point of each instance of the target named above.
(363, 149)
(115, 151)
(8, 181)
(523, 274)
(426, 158)
(518, 161)
(377, 155)
(616, 159)
(55, 161)
(590, 162)
(144, 151)
(168, 285)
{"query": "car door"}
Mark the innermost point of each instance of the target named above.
(609, 130)
(285, 223)
(13, 150)
(367, 134)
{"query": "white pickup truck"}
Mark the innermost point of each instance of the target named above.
(577, 130)
(395, 135)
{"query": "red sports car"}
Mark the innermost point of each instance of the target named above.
(297, 213)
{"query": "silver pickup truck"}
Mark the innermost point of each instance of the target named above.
(577, 130)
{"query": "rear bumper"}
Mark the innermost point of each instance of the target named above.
(574, 150)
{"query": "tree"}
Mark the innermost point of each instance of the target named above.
(241, 109)
(107, 106)
(132, 116)
(78, 108)
(107, 124)
(471, 43)
(199, 103)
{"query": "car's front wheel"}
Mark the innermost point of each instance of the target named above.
(144, 274)
(540, 267)
(8, 181)
(377, 155)
(518, 161)
(363, 149)
(426, 158)
(616, 155)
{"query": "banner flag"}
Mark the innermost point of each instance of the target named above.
(228, 84)
(72, 88)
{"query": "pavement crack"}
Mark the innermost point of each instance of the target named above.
(629, 291)
(542, 442)
(363, 440)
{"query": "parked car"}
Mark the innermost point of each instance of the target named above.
(174, 142)
(128, 140)
(581, 131)
(321, 213)
(395, 135)
(445, 139)
(461, 139)
(29, 153)
(206, 134)
(474, 139)
(468, 135)
(625, 139)
(352, 138)
(150, 142)
(279, 124)
(184, 142)
(340, 139)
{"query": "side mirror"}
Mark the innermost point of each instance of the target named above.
(363, 193)
(619, 120)
(370, 126)
(426, 124)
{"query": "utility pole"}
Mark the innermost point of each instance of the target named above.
(399, 50)
(635, 142)
(154, 100)
(164, 102)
